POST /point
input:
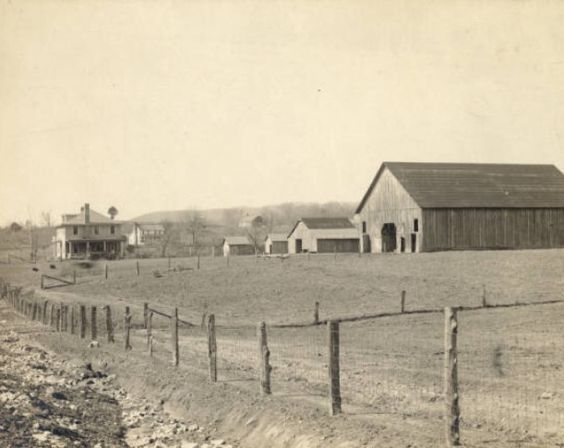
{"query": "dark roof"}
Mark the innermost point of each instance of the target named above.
(324, 223)
(327, 223)
(473, 185)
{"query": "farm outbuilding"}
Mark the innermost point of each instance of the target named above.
(323, 235)
(237, 245)
(424, 207)
(276, 243)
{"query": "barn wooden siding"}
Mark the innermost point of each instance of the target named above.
(485, 228)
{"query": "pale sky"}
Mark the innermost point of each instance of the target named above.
(156, 105)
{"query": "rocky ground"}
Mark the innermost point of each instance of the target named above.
(49, 401)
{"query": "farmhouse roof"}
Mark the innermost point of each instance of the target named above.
(237, 240)
(276, 237)
(473, 185)
(95, 218)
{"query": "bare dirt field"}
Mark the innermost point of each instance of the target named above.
(510, 359)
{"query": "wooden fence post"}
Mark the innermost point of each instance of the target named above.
(150, 333)
(52, 315)
(34, 312)
(127, 322)
(82, 321)
(93, 324)
(106, 271)
(145, 314)
(452, 409)
(169, 263)
(174, 324)
(44, 313)
(403, 301)
(334, 368)
(73, 320)
(212, 348)
(109, 324)
(316, 313)
(42, 283)
(137, 267)
(65, 316)
(264, 360)
(484, 297)
(198, 260)
(59, 317)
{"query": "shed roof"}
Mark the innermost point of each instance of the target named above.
(151, 227)
(473, 185)
(327, 223)
(276, 237)
(237, 241)
(324, 223)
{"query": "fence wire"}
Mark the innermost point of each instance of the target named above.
(299, 360)
(511, 374)
(237, 354)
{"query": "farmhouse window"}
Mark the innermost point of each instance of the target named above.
(363, 226)
(112, 230)
(75, 230)
(96, 230)
(416, 225)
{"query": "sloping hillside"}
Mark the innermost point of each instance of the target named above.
(280, 215)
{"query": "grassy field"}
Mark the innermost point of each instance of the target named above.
(510, 364)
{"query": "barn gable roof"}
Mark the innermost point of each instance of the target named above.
(473, 185)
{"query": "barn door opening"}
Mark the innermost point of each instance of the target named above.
(402, 244)
(413, 242)
(298, 246)
(389, 243)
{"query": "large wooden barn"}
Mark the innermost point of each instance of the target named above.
(323, 235)
(423, 207)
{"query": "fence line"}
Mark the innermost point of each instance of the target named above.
(205, 340)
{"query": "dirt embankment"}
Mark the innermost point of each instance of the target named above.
(49, 401)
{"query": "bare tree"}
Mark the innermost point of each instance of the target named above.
(257, 231)
(46, 218)
(195, 225)
(169, 233)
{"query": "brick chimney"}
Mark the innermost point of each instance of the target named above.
(86, 213)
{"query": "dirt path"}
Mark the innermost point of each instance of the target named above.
(49, 401)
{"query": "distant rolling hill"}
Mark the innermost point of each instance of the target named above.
(277, 216)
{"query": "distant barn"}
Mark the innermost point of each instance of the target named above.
(422, 207)
(237, 245)
(276, 243)
(323, 235)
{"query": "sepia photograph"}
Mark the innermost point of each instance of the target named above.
(281, 223)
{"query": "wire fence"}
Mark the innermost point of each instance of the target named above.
(506, 370)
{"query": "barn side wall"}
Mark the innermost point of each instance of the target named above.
(389, 202)
(460, 229)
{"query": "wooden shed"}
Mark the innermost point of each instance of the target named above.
(323, 235)
(422, 207)
(276, 243)
(237, 245)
